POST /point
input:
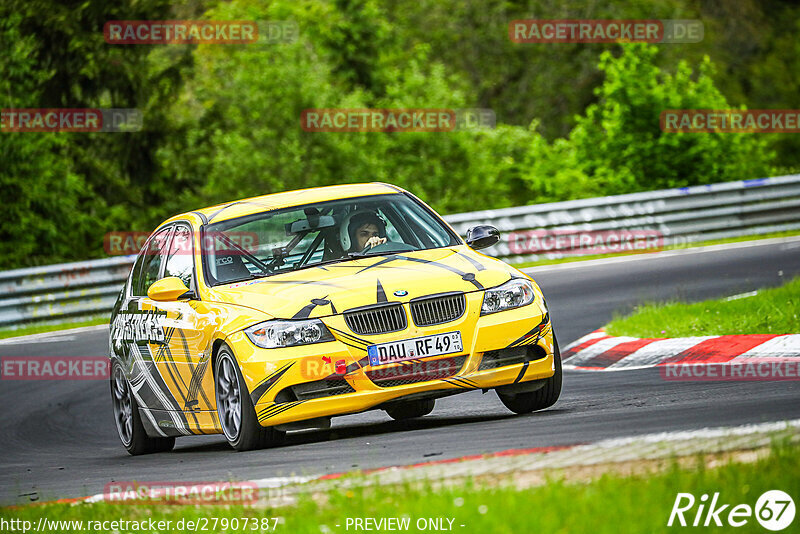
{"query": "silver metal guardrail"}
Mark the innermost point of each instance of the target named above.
(62, 292)
(74, 291)
(670, 217)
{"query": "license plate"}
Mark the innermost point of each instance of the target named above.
(412, 349)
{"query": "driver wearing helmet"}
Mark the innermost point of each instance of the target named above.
(365, 229)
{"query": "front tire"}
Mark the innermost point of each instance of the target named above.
(411, 409)
(237, 416)
(543, 397)
(128, 420)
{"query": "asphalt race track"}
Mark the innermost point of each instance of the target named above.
(58, 438)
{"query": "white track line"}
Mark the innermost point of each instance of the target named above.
(707, 432)
(54, 336)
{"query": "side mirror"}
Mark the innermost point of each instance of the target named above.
(167, 289)
(482, 236)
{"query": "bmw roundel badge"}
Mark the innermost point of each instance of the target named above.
(400, 293)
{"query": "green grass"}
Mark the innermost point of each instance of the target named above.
(609, 504)
(40, 328)
(769, 311)
(740, 239)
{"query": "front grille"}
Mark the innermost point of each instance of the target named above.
(418, 371)
(379, 319)
(318, 389)
(438, 309)
(501, 358)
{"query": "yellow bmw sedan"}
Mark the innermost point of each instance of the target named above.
(279, 312)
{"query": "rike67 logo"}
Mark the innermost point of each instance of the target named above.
(774, 510)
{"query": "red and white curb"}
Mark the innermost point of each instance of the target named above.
(281, 491)
(598, 351)
(656, 446)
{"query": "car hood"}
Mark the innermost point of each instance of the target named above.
(334, 288)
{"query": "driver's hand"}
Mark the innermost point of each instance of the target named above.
(375, 241)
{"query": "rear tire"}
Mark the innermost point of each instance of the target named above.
(411, 409)
(543, 397)
(128, 420)
(237, 416)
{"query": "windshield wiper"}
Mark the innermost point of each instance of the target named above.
(356, 255)
(252, 276)
(326, 262)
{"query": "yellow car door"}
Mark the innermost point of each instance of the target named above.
(183, 357)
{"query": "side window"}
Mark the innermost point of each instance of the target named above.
(136, 273)
(180, 261)
(151, 265)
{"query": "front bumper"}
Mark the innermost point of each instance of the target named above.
(335, 378)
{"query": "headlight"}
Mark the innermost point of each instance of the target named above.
(513, 294)
(277, 334)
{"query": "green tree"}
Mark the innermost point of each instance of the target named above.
(619, 142)
(222, 121)
(38, 184)
(241, 113)
(100, 182)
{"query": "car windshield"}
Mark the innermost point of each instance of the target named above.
(278, 241)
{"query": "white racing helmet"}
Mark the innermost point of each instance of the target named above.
(353, 220)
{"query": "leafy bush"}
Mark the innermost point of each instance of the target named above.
(619, 143)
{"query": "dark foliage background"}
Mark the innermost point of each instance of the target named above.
(222, 121)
